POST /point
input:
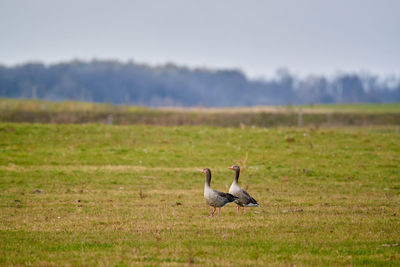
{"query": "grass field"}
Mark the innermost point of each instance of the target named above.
(133, 195)
(35, 105)
(72, 112)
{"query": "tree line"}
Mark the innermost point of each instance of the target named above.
(170, 85)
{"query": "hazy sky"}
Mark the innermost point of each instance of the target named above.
(307, 36)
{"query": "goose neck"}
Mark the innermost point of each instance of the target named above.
(208, 179)
(237, 173)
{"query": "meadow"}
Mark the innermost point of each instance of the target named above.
(74, 112)
(120, 195)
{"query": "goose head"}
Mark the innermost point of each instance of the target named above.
(234, 168)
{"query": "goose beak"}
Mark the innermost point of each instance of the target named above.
(202, 171)
(231, 168)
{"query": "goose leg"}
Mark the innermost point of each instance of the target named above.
(212, 212)
(238, 209)
(244, 209)
(219, 211)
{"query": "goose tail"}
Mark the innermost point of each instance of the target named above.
(253, 203)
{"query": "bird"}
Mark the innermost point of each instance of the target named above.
(243, 198)
(214, 198)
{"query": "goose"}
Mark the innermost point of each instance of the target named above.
(214, 198)
(244, 199)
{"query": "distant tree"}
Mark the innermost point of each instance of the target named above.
(172, 85)
(349, 89)
(314, 89)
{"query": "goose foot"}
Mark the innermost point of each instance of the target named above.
(212, 213)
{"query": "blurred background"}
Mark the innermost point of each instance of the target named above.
(179, 53)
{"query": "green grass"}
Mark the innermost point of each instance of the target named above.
(133, 195)
(43, 105)
(356, 108)
(72, 112)
(64, 106)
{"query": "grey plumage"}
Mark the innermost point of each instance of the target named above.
(244, 198)
(218, 199)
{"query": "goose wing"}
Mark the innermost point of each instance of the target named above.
(227, 196)
(245, 198)
(219, 199)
